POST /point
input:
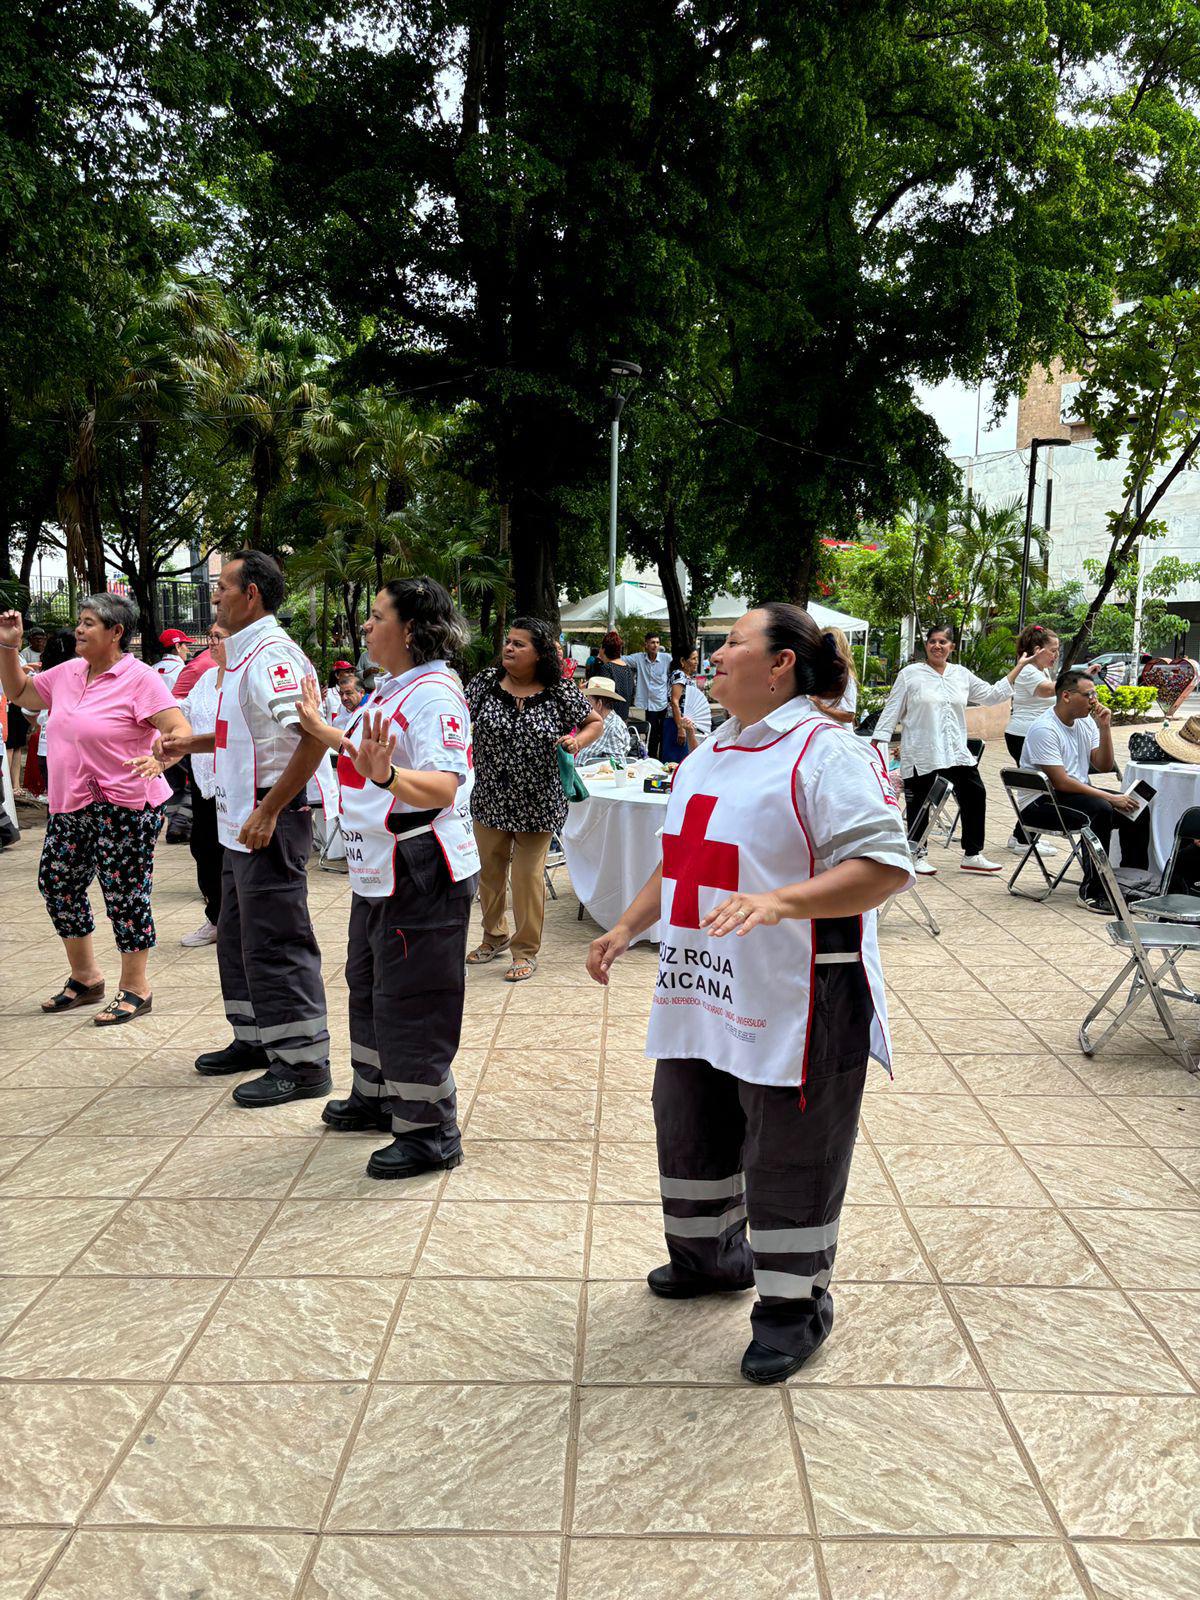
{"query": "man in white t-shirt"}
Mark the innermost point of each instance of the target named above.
(1067, 743)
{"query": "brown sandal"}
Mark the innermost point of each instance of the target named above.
(485, 953)
(521, 970)
(112, 1015)
(72, 994)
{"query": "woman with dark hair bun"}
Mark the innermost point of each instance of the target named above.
(781, 831)
(930, 698)
(404, 766)
(522, 713)
(612, 664)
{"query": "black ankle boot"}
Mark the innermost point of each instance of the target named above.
(236, 1057)
(351, 1116)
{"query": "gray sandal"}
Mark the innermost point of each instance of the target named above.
(484, 953)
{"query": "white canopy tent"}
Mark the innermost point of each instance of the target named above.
(632, 601)
(727, 608)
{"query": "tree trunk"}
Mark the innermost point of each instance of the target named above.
(681, 621)
(804, 565)
(534, 548)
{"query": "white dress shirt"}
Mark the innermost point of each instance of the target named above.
(932, 706)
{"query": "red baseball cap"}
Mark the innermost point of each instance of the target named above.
(173, 636)
(343, 666)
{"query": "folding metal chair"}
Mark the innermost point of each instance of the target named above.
(945, 821)
(1032, 780)
(923, 917)
(1170, 939)
(1165, 906)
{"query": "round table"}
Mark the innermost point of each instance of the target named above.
(612, 844)
(1178, 786)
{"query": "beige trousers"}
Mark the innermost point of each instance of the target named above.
(521, 857)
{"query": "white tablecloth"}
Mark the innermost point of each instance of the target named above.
(1178, 786)
(612, 845)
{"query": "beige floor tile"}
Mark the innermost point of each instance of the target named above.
(230, 1169)
(1137, 1075)
(626, 1117)
(300, 1119)
(123, 1328)
(998, 1245)
(1185, 1161)
(176, 1237)
(1108, 1176)
(257, 1455)
(158, 1113)
(561, 1114)
(948, 1449)
(1005, 1036)
(627, 1172)
(550, 1032)
(505, 1472)
(927, 1119)
(868, 1184)
(533, 1169)
(633, 1337)
(1176, 1318)
(98, 1167)
(451, 1567)
(627, 1240)
(13, 1149)
(29, 1112)
(59, 1441)
(887, 1570)
(1116, 1466)
(876, 1246)
(341, 1238)
(505, 1239)
(915, 1075)
(960, 1175)
(41, 1235)
(281, 1330)
(1145, 1249)
(27, 1553)
(338, 1170)
(1057, 1119)
(1004, 1075)
(1143, 1572)
(647, 1463)
(626, 1071)
(692, 1569)
(1062, 1340)
(1165, 1120)
(484, 1331)
(144, 1566)
(15, 1295)
(55, 1069)
(522, 1072)
(887, 1333)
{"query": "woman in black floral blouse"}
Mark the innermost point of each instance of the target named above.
(521, 711)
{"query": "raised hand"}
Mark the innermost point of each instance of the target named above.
(310, 710)
(376, 747)
(11, 628)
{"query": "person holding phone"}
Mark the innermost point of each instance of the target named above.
(1068, 743)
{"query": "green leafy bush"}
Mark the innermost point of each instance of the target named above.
(1128, 702)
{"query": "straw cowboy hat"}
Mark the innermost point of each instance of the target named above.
(606, 689)
(1184, 745)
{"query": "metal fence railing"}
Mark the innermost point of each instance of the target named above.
(180, 604)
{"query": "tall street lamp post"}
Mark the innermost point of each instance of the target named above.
(617, 370)
(1034, 446)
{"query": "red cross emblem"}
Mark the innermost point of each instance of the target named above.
(695, 862)
(453, 724)
(283, 676)
(221, 736)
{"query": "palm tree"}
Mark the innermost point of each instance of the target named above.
(990, 547)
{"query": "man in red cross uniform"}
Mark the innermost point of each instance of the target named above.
(781, 837)
(267, 773)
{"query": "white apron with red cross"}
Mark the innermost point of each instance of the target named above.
(365, 807)
(235, 762)
(743, 1004)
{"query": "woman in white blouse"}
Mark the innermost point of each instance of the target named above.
(930, 699)
(1033, 693)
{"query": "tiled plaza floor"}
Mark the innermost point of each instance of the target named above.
(234, 1368)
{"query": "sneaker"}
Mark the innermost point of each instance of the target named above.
(979, 864)
(1044, 850)
(924, 868)
(1097, 904)
(206, 933)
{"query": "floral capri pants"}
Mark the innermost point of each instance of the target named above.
(114, 844)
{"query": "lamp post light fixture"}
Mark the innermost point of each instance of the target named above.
(617, 371)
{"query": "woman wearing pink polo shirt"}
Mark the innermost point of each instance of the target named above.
(106, 796)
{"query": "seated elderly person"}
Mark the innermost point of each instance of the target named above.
(106, 794)
(613, 743)
(1068, 742)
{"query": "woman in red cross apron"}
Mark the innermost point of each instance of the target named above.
(782, 836)
(405, 774)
